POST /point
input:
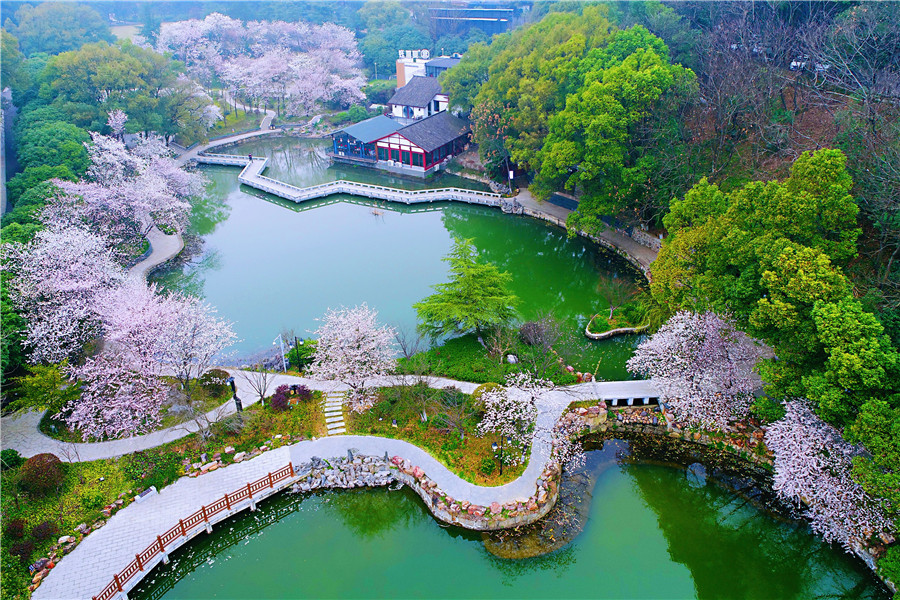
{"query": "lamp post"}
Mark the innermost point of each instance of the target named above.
(281, 340)
(494, 448)
(237, 401)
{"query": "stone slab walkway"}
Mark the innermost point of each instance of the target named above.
(20, 431)
(162, 248)
(91, 565)
(640, 253)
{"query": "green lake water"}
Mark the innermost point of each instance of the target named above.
(650, 534)
(267, 265)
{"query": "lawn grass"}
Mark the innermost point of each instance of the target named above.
(465, 359)
(235, 120)
(468, 456)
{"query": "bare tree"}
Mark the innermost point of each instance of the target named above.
(258, 378)
(616, 291)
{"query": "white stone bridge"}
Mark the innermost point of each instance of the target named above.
(252, 176)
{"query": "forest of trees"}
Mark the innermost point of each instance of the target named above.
(761, 139)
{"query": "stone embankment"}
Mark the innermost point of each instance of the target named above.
(357, 470)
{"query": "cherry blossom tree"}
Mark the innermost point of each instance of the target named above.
(57, 278)
(813, 467)
(295, 65)
(511, 414)
(197, 337)
(566, 449)
(116, 122)
(703, 367)
(118, 398)
(353, 348)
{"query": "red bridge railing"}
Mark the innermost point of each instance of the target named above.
(141, 559)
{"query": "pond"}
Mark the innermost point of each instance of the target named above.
(269, 265)
(651, 532)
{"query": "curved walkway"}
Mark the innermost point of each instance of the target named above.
(20, 431)
(107, 551)
(162, 248)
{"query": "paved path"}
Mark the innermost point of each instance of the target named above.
(20, 431)
(91, 566)
(265, 128)
(643, 255)
(162, 248)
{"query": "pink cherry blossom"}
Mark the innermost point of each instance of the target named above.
(703, 366)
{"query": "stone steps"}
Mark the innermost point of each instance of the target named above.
(333, 407)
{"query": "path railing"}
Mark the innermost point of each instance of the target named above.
(186, 526)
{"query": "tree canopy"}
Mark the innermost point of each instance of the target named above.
(55, 27)
(475, 299)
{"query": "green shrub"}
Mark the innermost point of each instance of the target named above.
(44, 530)
(214, 383)
(15, 529)
(153, 467)
(41, 474)
(889, 564)
(10, 459)
(481, 389)
(15, 578)
(487, 466)
(92, 500)
(767, 409)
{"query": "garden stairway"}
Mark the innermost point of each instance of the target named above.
(334, 413)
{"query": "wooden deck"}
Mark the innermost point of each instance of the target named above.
(252, 176)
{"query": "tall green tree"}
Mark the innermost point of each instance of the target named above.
(476, 298)
(55, 27)
(600, 143)
(530, 78)
(12, 67)
(55, 143)
(771, 255)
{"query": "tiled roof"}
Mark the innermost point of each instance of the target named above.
(445, 62)
(435, 131)
(372, 129)
(419, 91)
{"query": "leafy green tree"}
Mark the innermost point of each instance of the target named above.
(12, 68)
(770, 254)
(878, 428)
(36, 114)
(12, 331)
(462, 82)
(382, 46)
(475, 299)
(597, 144)
(55, 27)
(55, 143)
(381, 14)
(530, 78)
(46, 388)
(32, 177)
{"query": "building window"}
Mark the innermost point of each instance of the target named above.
(405, 157)
(417, 159)
(382, 153)
(395, 155)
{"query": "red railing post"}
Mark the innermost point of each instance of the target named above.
(227, 502)
(162, 548)
(205, 518)
(183, 530)
(271, 483)
(291, 465)
(249, 492)
(137, 557)
(118, 583)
